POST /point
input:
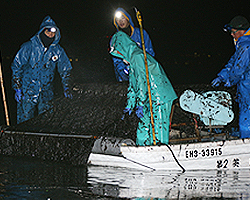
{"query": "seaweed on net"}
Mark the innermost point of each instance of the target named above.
(97, 108)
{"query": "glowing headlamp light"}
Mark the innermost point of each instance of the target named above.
(53, 29)
(118, 14)
(227, 28)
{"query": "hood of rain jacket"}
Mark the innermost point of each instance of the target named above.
(127, 16)
(48, 23)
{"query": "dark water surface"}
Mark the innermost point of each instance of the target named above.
(22, 178)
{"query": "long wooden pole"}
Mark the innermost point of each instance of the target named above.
(3, 94)
(139, 18)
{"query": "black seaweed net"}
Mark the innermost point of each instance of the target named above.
(97, 109)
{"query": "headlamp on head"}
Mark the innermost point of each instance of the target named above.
(118, 14)
(238, 23)
(53, 29)
(227, 28)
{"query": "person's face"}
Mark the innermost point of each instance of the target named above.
(122, 22)
(49, 33)
(236, 34)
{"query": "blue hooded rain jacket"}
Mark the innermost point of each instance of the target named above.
(237, 72)
(121, 68)
(33, 71)
(162, 91)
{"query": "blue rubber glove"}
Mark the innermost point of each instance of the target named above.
(67, 93)
(216, 82)
(126, 110)
(18, 95)
(139, 111)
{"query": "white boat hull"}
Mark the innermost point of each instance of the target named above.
(231, 154)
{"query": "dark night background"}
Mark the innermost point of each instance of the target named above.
(187, 36)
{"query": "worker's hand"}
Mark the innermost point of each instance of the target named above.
(126, 110)
(67, 93)
(18, 95)
(139, 111)
(216, 82)
(227, 84)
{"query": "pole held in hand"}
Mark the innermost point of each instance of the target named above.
(139, 18)
(3, 94)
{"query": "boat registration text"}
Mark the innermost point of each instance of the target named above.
(209, 152)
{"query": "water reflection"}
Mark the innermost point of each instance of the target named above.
(118, 182)
(35, 179)
(22, 178)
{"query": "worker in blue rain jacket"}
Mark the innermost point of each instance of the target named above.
(162, 91)
(237, 70)
(123, 22)
(33, 71)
